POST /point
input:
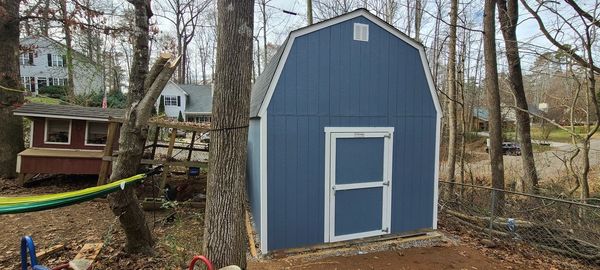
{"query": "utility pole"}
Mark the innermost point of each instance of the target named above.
(309, 12)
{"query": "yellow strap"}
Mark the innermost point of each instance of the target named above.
(48, 197)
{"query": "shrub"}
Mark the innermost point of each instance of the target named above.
(54, 91)
(180, 117)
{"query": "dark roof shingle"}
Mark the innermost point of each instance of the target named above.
(74, 111)
(262, 83)
(199, 98)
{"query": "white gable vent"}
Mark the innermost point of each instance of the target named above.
(361, 32)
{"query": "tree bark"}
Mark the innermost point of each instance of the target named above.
(124, 204)
(493, 100)
(452, 96)
(139, 64)
(508, 12)
(418, 19)
(224, 233)
(69, 53)
(11, 132)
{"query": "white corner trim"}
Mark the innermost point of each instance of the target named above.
(32, 125)
(85, 137)
(263, 186)
(46, 133)
(374, 19)
(18, 169)
(436, 173)
(179, 88)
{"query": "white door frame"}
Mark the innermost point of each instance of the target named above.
(333, 133)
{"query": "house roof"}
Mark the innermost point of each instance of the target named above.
(481, 113)
(265, 83)
(68, 112)
(199, 98)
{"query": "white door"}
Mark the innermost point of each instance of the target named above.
(358, 168)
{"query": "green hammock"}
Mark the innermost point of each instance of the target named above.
(12, 205)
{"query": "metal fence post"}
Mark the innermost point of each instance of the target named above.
(492, 209)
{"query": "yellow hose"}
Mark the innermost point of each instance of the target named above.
(48, 197)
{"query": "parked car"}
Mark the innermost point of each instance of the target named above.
(508, 148)
(205, 137)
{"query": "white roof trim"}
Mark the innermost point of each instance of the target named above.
(357, 13)
(197, 112)
(178, 88)
(60, 116)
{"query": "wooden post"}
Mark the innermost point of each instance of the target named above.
(169, 153)
(21, 179)
(249, 231)
(191, 146)
(155, 141)
(108, 151)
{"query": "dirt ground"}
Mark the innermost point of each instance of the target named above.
(181, 238)
(438, 257)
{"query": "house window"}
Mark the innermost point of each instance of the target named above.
(203, 118)
(57, 81)
(96, 133)
(56, 60)
(26, 59)
(28, 83)
(41, 82)
(170, 100)
(58, 131)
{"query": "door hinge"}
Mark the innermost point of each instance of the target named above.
(386, 183)
(386, 230)
(387, 135)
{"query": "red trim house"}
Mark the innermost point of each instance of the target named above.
(64, 139)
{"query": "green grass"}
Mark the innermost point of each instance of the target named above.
(45, 100)
(556, 135)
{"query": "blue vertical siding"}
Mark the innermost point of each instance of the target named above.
(253, 170)
(331, 80)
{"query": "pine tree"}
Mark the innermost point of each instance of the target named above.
(161, 106)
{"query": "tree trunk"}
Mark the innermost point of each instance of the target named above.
(11, 132)
(452, 96)
(69, 53)
(45, 22)
(224, 234)
(508, 14)
(418, 19)
(265, 47)
(493, 100)
(124, 204)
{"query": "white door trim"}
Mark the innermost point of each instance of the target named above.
(333, 133)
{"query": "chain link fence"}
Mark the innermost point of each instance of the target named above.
(566, 229)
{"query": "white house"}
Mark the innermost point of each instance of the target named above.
(193, 101)
(43, 63)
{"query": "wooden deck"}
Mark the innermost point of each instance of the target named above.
(63, 153)
(57, 161)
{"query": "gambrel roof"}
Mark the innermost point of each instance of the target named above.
(264, 85)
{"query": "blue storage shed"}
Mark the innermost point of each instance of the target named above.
(344, 136)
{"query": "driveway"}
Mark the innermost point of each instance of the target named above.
(549, 163)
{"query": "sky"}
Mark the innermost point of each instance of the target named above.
(532, 41)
